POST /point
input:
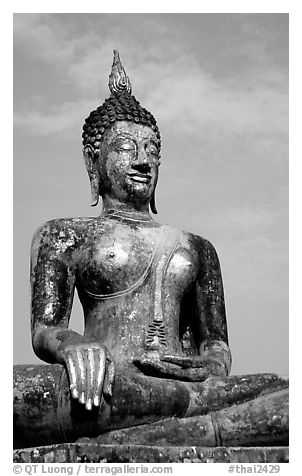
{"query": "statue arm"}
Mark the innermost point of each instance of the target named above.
(211, 327)
(208, 323)
(52, 289)
(89, 364)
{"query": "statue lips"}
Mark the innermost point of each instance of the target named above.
(139, 177)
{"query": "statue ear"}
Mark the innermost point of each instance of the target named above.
(152, 204)
(93, 173)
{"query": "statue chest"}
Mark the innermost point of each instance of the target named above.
(114, 262)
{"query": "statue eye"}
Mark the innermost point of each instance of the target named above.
(127, 146)
(124, 146)
(151, 149)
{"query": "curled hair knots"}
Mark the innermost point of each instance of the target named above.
(118, 107)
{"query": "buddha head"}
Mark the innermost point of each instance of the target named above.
(121, 145)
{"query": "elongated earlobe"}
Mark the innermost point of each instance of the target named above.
(93, 174)
(94, 192)
(152, 204)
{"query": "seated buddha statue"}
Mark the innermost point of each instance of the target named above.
(154, 355)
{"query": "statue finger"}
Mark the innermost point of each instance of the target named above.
(82, 375)
(198, 363)
(109, 379)
(183, 361)
(145, 363)
(90, 377)
(170, 370)
(157, 366)
(99, 382)
(195, 374)
(187, 375)
(177, 360)
(73, 376)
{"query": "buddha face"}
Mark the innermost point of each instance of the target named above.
(128, 163)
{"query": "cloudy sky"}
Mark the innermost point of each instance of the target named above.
(218, 86)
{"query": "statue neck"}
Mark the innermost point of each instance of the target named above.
(128, 210)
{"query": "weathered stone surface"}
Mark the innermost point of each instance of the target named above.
(94, 453)
(262, 420)
(44, 412)
(155, 344)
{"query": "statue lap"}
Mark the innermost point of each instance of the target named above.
(44, 411)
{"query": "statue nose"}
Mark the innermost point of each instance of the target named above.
(141, 163)
(142, 157)
(141, 167)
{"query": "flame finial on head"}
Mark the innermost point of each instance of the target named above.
(118, 80)
(120, 106)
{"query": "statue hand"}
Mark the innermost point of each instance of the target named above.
(91, 372)
(186, 362)
(209, 365)
(186, 368)
(169, 369)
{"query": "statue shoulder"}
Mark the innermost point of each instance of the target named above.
(59, 234)
(198, 242)
(203, 247)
